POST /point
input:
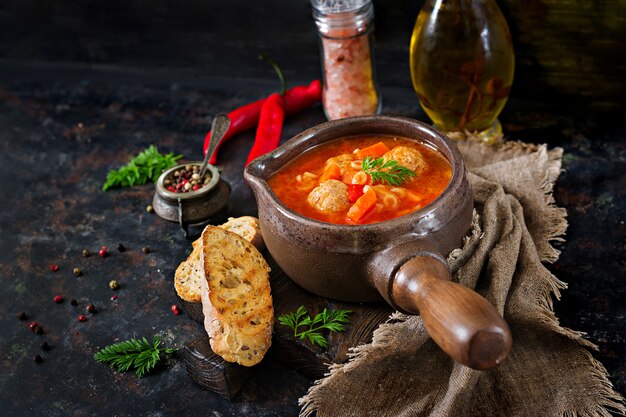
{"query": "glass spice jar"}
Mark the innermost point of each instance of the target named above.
(345, 28)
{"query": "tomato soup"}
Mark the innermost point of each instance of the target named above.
(362, 179)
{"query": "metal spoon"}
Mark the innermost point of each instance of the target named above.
(218, 129)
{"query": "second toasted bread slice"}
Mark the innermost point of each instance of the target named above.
(236, 298)
(188, 276)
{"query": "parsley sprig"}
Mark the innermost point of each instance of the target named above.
(138, 354)
(390, 172)
(146, 166)
(333, 320)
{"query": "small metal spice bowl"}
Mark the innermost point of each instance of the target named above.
(193, 207)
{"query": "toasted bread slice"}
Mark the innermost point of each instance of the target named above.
(236, 298)
(247, 227)
(189, 274)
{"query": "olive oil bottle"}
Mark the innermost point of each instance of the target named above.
(462, 63)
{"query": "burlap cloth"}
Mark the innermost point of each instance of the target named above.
(550, 371)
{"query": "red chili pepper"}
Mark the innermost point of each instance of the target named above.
(355, 191)
(270, 127)
(246, 117)
(303, 96)
(271, 118)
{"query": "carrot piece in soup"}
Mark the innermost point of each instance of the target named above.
(362, 206)
(376, 150)
(332, 172)
(355, 191)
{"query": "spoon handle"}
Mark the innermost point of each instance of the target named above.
(220, 125)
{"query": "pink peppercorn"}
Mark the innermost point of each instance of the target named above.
(113, 298)
(103, 252)
(54, 268)
(33, 326)
(82, 317)
(58, 299)
(175, 310)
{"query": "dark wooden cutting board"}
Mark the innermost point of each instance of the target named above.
(212, 372)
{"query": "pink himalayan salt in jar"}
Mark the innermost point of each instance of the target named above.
(345, 28)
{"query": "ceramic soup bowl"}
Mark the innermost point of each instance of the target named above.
(400, 260)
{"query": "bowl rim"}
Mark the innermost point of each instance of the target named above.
(253, 172)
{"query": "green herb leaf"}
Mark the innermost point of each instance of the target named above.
(146, 166)
(326, 320)
(390, 172)
(138, 354)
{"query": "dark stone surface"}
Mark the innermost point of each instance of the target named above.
(567, 46)
(64, 123)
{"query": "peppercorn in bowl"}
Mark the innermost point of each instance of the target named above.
(183, 196)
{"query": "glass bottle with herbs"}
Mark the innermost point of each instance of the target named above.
(462, 64)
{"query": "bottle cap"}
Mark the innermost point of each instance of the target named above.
(337, 14)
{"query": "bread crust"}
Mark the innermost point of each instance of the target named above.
(236, 297)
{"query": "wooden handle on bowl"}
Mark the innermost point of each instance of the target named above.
(464, 324)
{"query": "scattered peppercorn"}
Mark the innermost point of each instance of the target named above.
(74, 302)
(82, 317)
(22, 316)
(57, 299)
(37, 358)
(121, 248)
(113, 298)
(39, 330)
(45, 346)
(33, 326)
(77, 272)
(54, 268)
(86, 253)
(175, 309)
(145, 250)
(113, 284)
(150, 209)
(186, 179)
(103, 252)
(91, 309)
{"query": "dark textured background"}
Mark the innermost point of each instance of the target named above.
(84, 85)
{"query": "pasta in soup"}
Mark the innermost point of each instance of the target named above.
(362, 180)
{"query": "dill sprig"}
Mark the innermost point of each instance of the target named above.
(330, 320)
(138, 354)
(146, 166)
(390, 172)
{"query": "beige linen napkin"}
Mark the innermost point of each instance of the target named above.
(550, 371)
